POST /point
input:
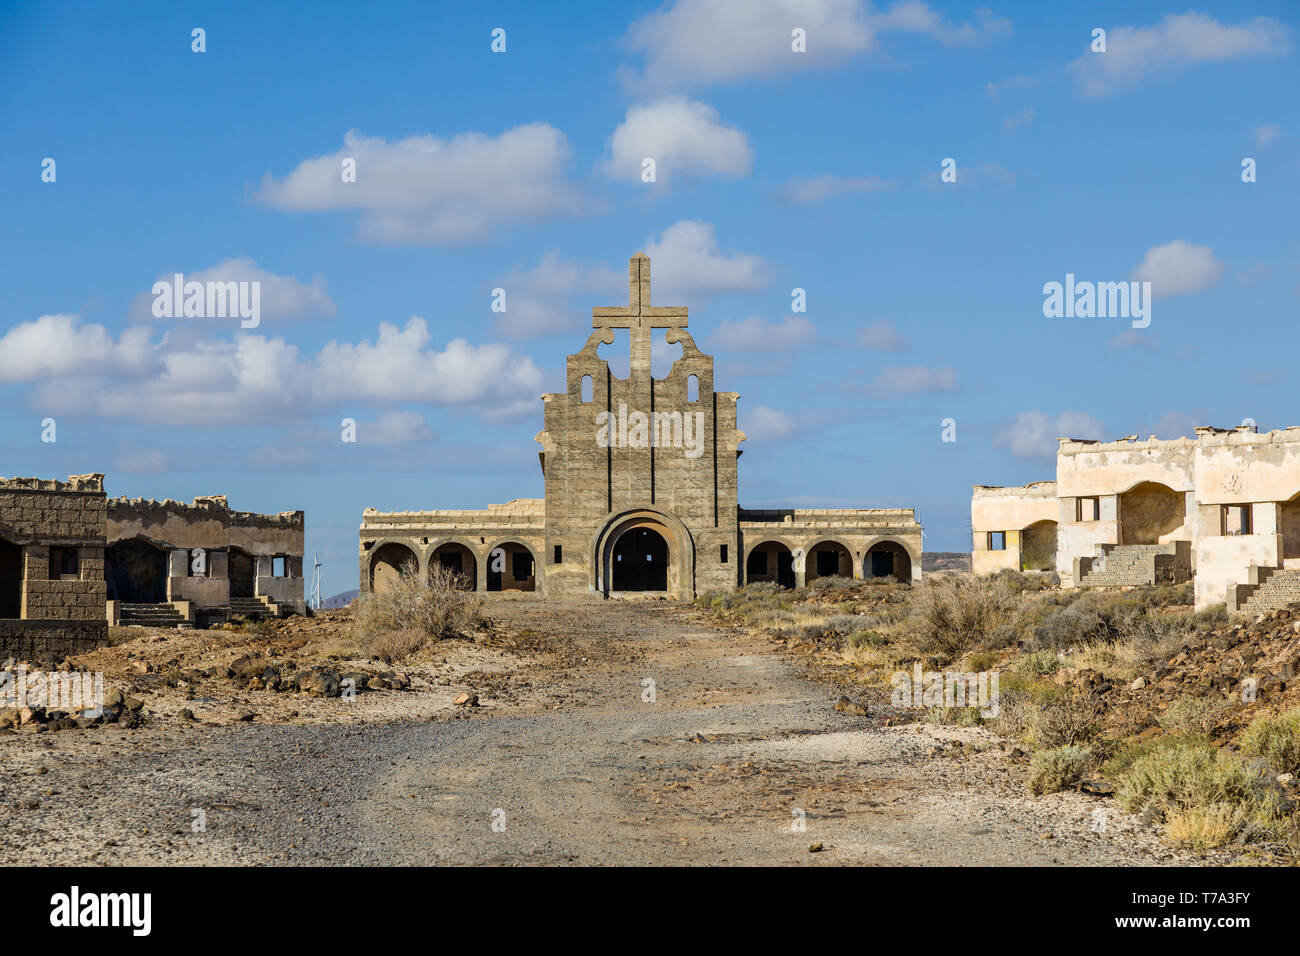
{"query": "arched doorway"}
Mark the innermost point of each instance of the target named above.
(460, 561)
(640, 561)
(1289, 525)
(1038, 547)
(511, 568)
(136, 572)
(770, 561)
(887, 559)
(11, 580)
(389, 563)
(827, 559)
(241, 568)
(676, 554)
(1148, 512)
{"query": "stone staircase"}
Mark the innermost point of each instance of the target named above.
(151, 615)
(1268, 590)
(1136, 565)
(254, 609)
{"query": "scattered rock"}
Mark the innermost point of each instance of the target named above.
(852, 708)
(466, 700)
(815, 848)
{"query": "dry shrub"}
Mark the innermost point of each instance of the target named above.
(1059, 768)
(954, 615)
(1275, 740)
(1193, 716)
(392, 646)
(412, 612)
(1066, 722)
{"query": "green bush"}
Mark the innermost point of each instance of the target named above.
(1059, 768)
(1193, 774)
(1276, 740)
(1193, 716)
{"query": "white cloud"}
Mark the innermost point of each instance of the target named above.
(767, 424)
(1022, 119)
(824, 187)
(915, 379)
(423, 189)
(687, 263)
(537, 299)
(1034, 435)
(756, 334)
(881, 336)
(281, 297)
(59, 346)
(698, 42)
(1177, 41)
(1178, 425)
(683, 137)
(1132, 339)
(1267, 133)
(136, 460)
(1179, 268)
(184, 380)
(394, 428)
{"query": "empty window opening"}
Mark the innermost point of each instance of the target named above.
(279, 567)
(588, 389)
(693, 388)
(559, 555)
(997, 541)
(722, 554)
(828, 564)
(1088, 509)
(1236, 519)
(64, 564)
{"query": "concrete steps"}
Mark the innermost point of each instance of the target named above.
(254, 609)
(1278, 588)
(1134, 565)
(150, 615)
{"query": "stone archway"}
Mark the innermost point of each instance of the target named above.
(389, 562)
(639, 561)
(827, 559)
(678, 562)
(458, 559)
(770, 561)
(1038, 547)
(511, 567)
(1150, 511)
(136, 572)
(886, 559)
(11, 579)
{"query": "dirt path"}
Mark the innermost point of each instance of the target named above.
(735, 748)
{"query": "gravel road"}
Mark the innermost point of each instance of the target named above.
(732, 755)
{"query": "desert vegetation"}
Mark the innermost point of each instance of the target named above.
(1123, 692)
(414, 612)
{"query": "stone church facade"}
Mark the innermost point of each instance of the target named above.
(641, 493)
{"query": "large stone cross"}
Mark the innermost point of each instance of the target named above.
(639, 315)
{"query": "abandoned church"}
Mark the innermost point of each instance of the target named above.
(74, 561)
(1221, 509)
(641, 493)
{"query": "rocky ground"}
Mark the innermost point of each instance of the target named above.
(604, 733)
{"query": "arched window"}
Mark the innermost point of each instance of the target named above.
(588, 389)
(693, 389)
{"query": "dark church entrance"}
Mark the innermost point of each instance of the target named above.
(640, 561)
(137, 572)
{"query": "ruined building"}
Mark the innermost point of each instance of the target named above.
(73, 561)
(641, 493)
(1221, 509)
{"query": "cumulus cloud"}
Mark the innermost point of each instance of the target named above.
(824, 187)
(537, 299)
(881, 336)
(1034, 435)
(183, 380)
(59, 346)
(281, 297)
(1179, 268)
(767, 424)
(1178, 41)
(915, 379)
(424, 189)
(756, 334)
(687, 263)
(699, 42)
(683, 137)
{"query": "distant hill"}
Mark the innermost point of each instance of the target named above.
(945, 561)
(340, 600)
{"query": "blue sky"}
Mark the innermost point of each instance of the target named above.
(521, 170)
